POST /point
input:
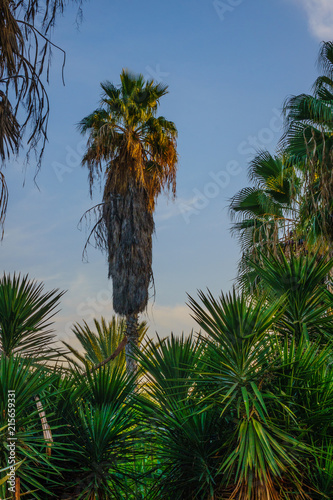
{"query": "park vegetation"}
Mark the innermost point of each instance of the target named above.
(240, 410)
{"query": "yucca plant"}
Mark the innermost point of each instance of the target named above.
(100, 343)
(321, 472)
(302, 283)
(101, 421)
(34, 467)
(262, 455)
(27, 342)
(25, 318)
(185, 433)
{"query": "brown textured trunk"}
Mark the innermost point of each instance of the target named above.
(132, 343)
(17, 489)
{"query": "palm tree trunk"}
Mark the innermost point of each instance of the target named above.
(47, 433)
(132, 342)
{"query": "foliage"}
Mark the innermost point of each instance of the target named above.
(241, 411)
(185, 432)
(25, 314)
(308, 143)
(290, 204)
(102, 344)
(34, 468)
(101, 423)
(135, 151)
(26, 49)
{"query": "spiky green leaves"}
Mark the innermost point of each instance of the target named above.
(25, 318)
(35, 470)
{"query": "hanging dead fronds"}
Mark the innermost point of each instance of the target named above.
(25, 57)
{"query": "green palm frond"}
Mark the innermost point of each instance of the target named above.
(264, 213)
(262, 456)
(185, 434)
(308, 141)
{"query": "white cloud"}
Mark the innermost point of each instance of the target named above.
(166, 319)
(320, 17)
(161, 319)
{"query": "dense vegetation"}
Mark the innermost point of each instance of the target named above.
(243, 409)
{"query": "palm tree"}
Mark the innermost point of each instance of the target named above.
(300, 282)
(35, 472)
(273, 389)
(186, 437)
(99, 425)
(291, 201)
(135, 152)
(266, 214)
(308, 141)
(27, 342)
(25, 59)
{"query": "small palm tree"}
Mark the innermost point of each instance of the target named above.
(35, 471)
(185, 435)
(301, 283)
(266, 214)
(135, 152)
(99, 345)
(273, 391)
(27, 341)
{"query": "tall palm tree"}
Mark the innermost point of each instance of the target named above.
(308, 141)
(135, 152)
(292, 195)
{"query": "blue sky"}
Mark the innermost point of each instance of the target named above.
(229, 65)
